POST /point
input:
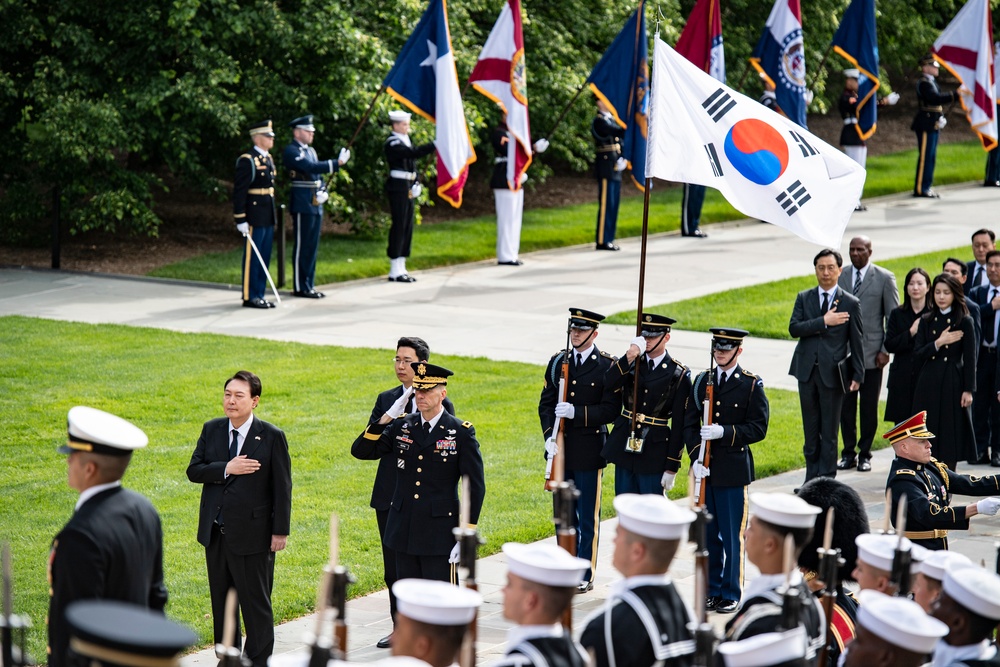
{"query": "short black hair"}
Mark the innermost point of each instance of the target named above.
(250, 379)
(827, 252)
(962, 266)
(419, 346)
(800, 536)
(989, 232)
(991, 254)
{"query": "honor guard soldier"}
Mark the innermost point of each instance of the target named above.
(107, 633)
(771, 649)
(644, 614)
(309, 193)
(541, 581)
(930, 575)
(253, 209)
(402, 190)
(608, 168)
(112, 547)
(851, 141)
(740, 414)
(773, 517)
(667, 418)
(892, 632)
(589, 407)
(928, 123)
(970, 608)
(432, 450)
(927, 484)
(434, 618)
(508, 196)
(875, 559)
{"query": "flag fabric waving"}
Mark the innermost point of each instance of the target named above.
(701, 40)
(500, 75)
(857, 42)
(781, 57)
(621, 79)
(701, 131)
(424, 79)
(965, 48)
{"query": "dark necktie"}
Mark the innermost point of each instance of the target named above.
(579, 359)
(993, 333)
(234, 445)
(826, 303)
(722, 380)
(427, 428)
(857, 282)
(651, 365)
(977, 281)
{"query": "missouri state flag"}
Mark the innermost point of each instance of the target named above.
(965, 48)
(425, 80)
(621, 80)
(701, 131)
(857, 42)
(780, 56)
(500, 75)
(701, 40)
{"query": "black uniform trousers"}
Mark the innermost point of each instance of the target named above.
(927, 141)
(692, 201)
(821, 407)
(867, 397)
(412, 566)
(402, 210)
(388, 560)
(254, 276)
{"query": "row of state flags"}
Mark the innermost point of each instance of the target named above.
(687, 125)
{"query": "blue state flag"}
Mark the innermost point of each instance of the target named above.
(856, 41)
(780, 58)
(621, 80)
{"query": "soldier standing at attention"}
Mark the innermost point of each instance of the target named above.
(402, 189)
(608, 168)
(928, 123)
(253, 209)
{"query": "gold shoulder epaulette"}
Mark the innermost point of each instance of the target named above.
(906, 471)
(607, 355)
(684, 369)
(467, 424)
(750, 374)
(245, 155)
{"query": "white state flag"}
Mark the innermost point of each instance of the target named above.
(701, 131)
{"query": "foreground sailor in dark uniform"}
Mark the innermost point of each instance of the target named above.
(589, 407)
(644, 621)
(892, 632)
(305, 170)
(107, 633)
(254, 212)
(433, 620)
(541, 581)
(402, 190)
(928, 123)
(608, 167)
(432, 451)
(970, 607)
(927, 484)
(740, 415)
(667, 419)
(112, 546)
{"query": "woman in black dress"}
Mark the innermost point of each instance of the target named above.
(900, 334)
(946, 344)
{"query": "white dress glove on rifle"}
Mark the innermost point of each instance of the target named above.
(941, 122)
(620, 164)
(988, 506)
(565, 410)
(711, 432)
(345, 155)
(322, 197)
(397, 408)
(667, 481)
(415, 190)
(541, 145)
(640, 343)
(700, 471)
(453, 558)
(243, 228)
(551, 448)
(892, 98)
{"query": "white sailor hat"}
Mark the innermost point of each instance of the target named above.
(975, 589)
(938, 562)
(652, 515)
(899, 621)
(783, 509)
(852, 73)
(879, 551)
(100, 432)
(770, 648)
(545, 563)
(436, 602)
(397, 116)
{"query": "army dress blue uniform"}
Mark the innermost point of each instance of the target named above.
(253, 203)
(931, 101)
(608, 136)
(402, 156)
(539, 646)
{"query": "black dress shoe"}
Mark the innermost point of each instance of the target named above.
(258, 303)
(311, 294)
(711, 602)
(846, 463)
(991, 184)
(385, 642)
(864, 465)
(995, 460)
(515, 262)
(727, 606)
(585, 586)
(405, 278)
(607, 246)
(698, 234)
(860, 208)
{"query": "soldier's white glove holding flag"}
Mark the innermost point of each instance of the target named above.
(711, 432)
(639, 342)
(667, 481)
(808, 96)
(941, 122)
(243, 228)
(541, 145)
(399, 406)
(565, 410)
(345, 155)
(892, 98)
(322, 196)
(453, 558)
(621, 164)
(700, 471)
(551, 448)
(415, 190)
(524, 177)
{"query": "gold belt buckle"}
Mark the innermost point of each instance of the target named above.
(634, 444)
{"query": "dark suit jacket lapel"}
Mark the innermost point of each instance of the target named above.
(730, 381)
(255, 438)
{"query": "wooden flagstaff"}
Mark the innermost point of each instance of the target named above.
(565, 111)
(364, 118)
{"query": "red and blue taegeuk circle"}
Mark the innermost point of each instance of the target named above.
(757, 150)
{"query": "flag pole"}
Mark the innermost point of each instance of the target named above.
(364, 119)
(565, 111)
(820, 67)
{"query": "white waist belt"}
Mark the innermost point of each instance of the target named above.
(405, 175)
(850, 121)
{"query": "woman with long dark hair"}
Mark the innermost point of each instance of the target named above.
(900, 335)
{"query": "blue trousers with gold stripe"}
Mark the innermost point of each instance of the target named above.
(254, 278)
(608, 196)
(726, 557)
(926, 156)
(588, 515)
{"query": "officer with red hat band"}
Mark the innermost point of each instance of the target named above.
(927, 484)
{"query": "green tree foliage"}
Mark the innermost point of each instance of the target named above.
(103, 99)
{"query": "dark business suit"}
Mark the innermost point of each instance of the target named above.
(985, 408)
(879, 297)
(970, 277)
(111, 548)
(814, 365)
(251, 508)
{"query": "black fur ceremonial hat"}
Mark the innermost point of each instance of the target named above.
(850, 520)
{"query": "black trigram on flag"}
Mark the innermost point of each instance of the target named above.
(718, 104)
(713, 157)
(793, 198)
(807, 150)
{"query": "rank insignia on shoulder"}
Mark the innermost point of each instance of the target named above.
(467, 424)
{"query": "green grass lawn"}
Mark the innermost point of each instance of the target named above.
(772, 302)
(170, 383)
(442, 244)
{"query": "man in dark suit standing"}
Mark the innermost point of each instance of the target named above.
(875, 288)
(246, 507)
(112, 546)
(827, 321)
(983, 240)
(985, 408)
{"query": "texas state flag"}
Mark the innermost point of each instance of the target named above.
(425, 80)
(780, 56)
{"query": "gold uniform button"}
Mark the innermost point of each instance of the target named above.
(572, 393)
(416, 496)
(574, 382)
(420, 469)
(420, 457)
(418, 483)
(716, 414)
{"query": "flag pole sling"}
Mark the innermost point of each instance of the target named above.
(565, 111)
(364, 119)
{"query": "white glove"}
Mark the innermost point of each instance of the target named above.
(243, 228)
(565, 410)
(640, 343)
(345, 155)
(621, 164)
(667, 481)
(892, 98)
(808, 96)
(541, 145)
(322, 196)
(397, 408)
(711, 432)
(988, 506)
(453, 558)
(700, 471)
(941, 122)
(415, 190)
(524, 177)
(551, 447)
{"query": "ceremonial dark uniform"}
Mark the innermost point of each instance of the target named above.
(930, 98)
(848, 107)
(304, 168)
(253, 203)
(692, 200)
(596, 405)
(608, 137)
(762, 613)
(770, 100)
(843, 625)
(425, 506)
(111, 548)
(402, 159)
(499, 140)
(543, 649)
(928, 489)
(646, 623)
(741, 408)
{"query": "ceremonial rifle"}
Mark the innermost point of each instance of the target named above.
(563, 516)
(228, 654)
(705, 453)
(791, 598)
(557, 463)
(468, 551)
(830, 563)
(13, 653)
(900, 576)
(996, 547)
(704, 632)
